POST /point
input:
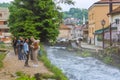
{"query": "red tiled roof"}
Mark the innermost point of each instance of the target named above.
(107, 1)
(62, 26)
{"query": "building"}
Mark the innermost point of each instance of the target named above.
(70, 32)
(4, 29)
(96, 13)
(64, 32)
(85, 32)
(77, 32)
(115, 20)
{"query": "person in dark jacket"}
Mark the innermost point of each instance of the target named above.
(14, 43)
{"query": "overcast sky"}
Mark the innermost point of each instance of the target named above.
(78, 4)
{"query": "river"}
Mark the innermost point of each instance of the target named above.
(78, 68)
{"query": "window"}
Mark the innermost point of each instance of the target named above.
(92, 16)
(117, 21)
(5, 22)
(6, 30)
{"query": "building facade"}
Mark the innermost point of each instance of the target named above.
(115, 19)
(4, 29)
(64, 32)
(96, 13)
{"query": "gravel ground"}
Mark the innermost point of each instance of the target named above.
(13, 65)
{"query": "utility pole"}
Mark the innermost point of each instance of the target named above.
(103, 23)
(110, 10)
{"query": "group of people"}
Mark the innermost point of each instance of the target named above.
(26, 48)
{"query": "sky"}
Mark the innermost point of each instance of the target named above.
(78, 4)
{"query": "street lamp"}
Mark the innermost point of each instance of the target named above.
(103, 23)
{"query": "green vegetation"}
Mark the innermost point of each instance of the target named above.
(111, 50)
(84, 53)
(4, 5)
(58, 75)
(2, 56)
(107, 60)
(41, 19)
(76, 13)
(2, 45)
(22, 76)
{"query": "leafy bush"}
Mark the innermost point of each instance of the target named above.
(85, 54)
(2, 56)
(107, 60)
(111, 50)
(22, 76)
(2, 45)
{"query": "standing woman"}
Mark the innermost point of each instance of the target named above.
(35, 46)
(26, 50)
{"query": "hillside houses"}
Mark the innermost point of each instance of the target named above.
(92, 31)
(70, 32)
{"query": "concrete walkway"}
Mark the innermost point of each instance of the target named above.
(90, 46)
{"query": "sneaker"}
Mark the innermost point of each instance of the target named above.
(35, 65)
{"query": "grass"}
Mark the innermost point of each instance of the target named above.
(22, 76)
(2, 45)
(107, 60)
(2, 56)
(84, 53)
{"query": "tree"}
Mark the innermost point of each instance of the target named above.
(38, 18)
(76, 13)
(65, 1)
(4, 4)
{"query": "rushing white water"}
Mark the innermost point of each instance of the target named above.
(78, 68)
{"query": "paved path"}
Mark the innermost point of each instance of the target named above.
(13, 65)
(87, 46)
(90, 46)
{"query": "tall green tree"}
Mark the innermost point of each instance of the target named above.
(38, 18)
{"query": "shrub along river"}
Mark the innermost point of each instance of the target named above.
(78, 68)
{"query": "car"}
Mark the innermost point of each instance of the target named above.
(62, 40)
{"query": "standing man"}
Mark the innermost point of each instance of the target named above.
(20, 43)
(14, 43)
(26, 50)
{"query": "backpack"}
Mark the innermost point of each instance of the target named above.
(36, 45)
